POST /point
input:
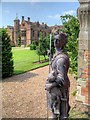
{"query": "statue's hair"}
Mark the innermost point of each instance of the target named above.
(56, 32)
(63, 37)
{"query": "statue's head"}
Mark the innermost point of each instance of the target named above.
(60, 40)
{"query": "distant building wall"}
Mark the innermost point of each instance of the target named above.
(29, 31)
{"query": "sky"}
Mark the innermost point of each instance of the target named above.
(47, 12)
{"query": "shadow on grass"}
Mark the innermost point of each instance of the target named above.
(19, 73)
(20, 77)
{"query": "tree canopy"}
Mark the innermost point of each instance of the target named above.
(71, 27)
(44, 45)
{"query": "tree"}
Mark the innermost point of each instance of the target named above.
(19, 40)
(7, 62)
(71, 27)
(0, 57)
(33, 45)
(42, 47)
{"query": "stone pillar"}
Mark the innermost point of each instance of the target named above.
(83, 83)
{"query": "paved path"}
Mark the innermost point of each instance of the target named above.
(24, 95)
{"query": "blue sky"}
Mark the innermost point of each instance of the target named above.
(47, 12)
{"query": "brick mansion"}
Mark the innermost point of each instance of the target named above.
(28, 31)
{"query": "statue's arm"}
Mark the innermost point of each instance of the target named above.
(61, 71)
(61, 74)
(50, 83)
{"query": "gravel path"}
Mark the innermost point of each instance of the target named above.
(23, 96)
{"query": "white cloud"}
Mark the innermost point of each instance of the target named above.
(33, 3)
(70, 12)
(57, 16)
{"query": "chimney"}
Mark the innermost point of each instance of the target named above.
(22, 18)
(42, 23)
(38, 23)
(28, 19)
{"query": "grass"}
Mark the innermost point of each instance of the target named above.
(24, 59)
(78, 115)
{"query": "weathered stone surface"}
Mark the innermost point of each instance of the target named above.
(83, 1)
(83, 83)
(84, 16)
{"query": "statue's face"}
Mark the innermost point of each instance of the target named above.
(57, 41)
(60, 40)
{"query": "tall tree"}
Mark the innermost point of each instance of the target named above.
(0, 57)
(7, 62)
(42, 47)
(19, 39)
(71, 27)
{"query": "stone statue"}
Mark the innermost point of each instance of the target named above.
(58, 84)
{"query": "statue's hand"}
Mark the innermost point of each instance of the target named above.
(51, 76)
(49, 86)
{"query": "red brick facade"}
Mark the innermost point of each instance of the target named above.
(85, 90)
(29, 31)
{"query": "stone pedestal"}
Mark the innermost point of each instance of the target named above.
(83, 83)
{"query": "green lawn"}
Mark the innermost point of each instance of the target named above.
(78, 115)
(24, 59)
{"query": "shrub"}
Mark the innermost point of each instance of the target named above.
(33, 46)
(7, 62)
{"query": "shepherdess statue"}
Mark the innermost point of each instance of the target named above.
(58, 84)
